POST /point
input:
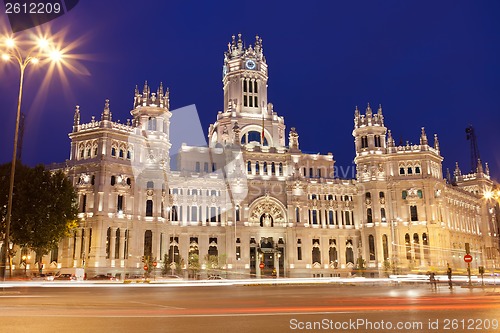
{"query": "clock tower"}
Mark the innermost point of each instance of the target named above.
(244, 79)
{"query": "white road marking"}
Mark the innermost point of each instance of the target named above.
(159, 305)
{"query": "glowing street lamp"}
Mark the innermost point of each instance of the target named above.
(23, 53)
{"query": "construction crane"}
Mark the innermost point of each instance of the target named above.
(474, 150)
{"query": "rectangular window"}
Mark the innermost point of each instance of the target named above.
(205, 167)
(245, 101)
(119, 204)
(149, 207)
(197, 167)
(84, 203)
(255, 102)
(238, 253)
(299, 253)
(413, 213)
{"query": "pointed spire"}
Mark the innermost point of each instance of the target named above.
(423, 137)
(76, 118)
(379, 112)
(145, 90)
(457, 172)
(136, 92)
(479, 166)
(368, 111)
(448, 175)
(486, 169)
(160, 90)
(356, 112)
(390, 139)
(106, 113)
(240, 42)
(436, 142)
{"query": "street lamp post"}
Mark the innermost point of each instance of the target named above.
(23, 59)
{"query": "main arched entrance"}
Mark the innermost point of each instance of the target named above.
(267, 250)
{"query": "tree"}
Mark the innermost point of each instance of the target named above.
(44, 208)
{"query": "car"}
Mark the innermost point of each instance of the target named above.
(102, 277)
(65, 277)
(215, 277)
(42, 277)
(173, 277)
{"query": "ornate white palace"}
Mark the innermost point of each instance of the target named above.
(254, 199)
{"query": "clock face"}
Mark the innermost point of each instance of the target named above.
(250, 64)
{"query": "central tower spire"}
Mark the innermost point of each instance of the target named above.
(244, 76)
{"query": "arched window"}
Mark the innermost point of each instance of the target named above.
(297, 214)
(121, 153)
(401, 170)
(152, 124)
(237, 213)
(417, 169)
(408, 247)
(377, 141)
(108, 243)
(249, 167)
(420, 194)
(385, 247)
(113, 151)
(416, 246)
(369, 215)
(382, 214)
(150, 185)
(273, 168)
(129, 155)
(371, 246)
(280, 169)
(148, 243)
(117, 244)
(113, 180)
(265, 168)
(349, 255)
(316, 253)
(175, 215)
(404, 194)
(257, 171)
(364, 142)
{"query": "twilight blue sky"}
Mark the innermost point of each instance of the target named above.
(429, 63)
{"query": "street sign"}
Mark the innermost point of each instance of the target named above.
(467, 258)
(261, 265)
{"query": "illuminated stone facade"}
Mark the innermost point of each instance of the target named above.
(253, 196)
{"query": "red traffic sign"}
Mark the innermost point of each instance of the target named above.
(155, 263)
(261, 265)
(467, 258)
(145, 267)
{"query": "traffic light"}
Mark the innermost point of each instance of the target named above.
(142, 259)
